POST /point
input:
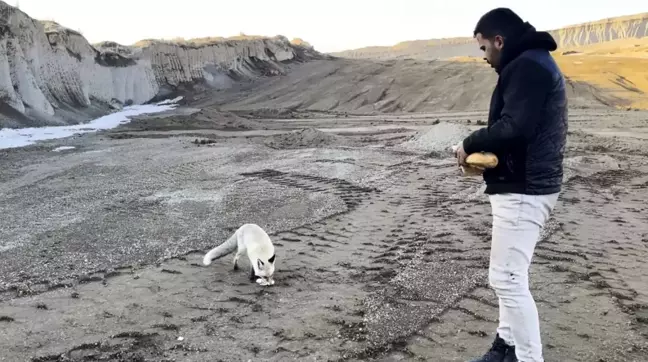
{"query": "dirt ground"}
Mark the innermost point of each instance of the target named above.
(406, 85)
(382, 247)
(609, 73)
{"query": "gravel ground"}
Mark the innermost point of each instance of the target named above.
(382, 248)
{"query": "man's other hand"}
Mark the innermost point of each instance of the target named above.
(461, 156)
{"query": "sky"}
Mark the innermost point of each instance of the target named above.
(329, 25)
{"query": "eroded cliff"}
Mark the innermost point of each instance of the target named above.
(605, 30)
(51, 75)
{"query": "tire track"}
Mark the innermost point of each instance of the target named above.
(567, 273)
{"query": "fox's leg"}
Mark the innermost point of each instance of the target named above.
(238, 254)
(252, 274)
(240, 250)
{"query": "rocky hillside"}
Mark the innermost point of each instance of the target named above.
(627, 27)
(52, 75)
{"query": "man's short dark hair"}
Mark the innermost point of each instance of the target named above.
(500, 21)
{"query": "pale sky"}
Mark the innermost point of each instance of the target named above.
(330, 25)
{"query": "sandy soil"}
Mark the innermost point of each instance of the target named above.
(612, 73)
(366, 87)
(382, 247)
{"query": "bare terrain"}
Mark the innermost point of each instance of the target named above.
(382, 246)
(364, 87)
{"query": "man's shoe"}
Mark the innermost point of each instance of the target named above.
(510, 354)
(499, 352)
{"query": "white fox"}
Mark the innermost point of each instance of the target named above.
(252, 240)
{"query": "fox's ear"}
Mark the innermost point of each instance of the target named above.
(272, 258)
(259, 263)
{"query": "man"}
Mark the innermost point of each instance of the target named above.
(527, 128)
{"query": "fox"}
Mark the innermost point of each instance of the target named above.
(252, 240)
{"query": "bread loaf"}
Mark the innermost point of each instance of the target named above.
(482, 160)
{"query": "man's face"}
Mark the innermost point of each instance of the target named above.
(492, 49)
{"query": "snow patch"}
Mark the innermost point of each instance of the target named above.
(170, 101)
(11, 138)
(186, 195)
(63, 148)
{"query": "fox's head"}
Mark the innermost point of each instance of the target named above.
(265, 269)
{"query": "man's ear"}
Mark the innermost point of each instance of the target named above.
(498, 42)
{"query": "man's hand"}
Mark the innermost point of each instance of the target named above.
(461, 156)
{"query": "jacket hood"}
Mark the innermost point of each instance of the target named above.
(529, 39)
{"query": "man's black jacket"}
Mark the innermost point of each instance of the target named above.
(527, 122)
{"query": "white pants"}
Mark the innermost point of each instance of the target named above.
(517, 222)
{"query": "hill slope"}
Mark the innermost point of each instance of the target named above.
(359, 86)
(52, 75)
(601, 31)
(605, 61)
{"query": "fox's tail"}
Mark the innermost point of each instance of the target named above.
(223, 249)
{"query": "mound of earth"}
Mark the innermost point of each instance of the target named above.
(586, 166)
(226, 120)
(304, 138)
(195, 120)
(438, 138)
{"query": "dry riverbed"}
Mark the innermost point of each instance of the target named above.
(382, 248)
